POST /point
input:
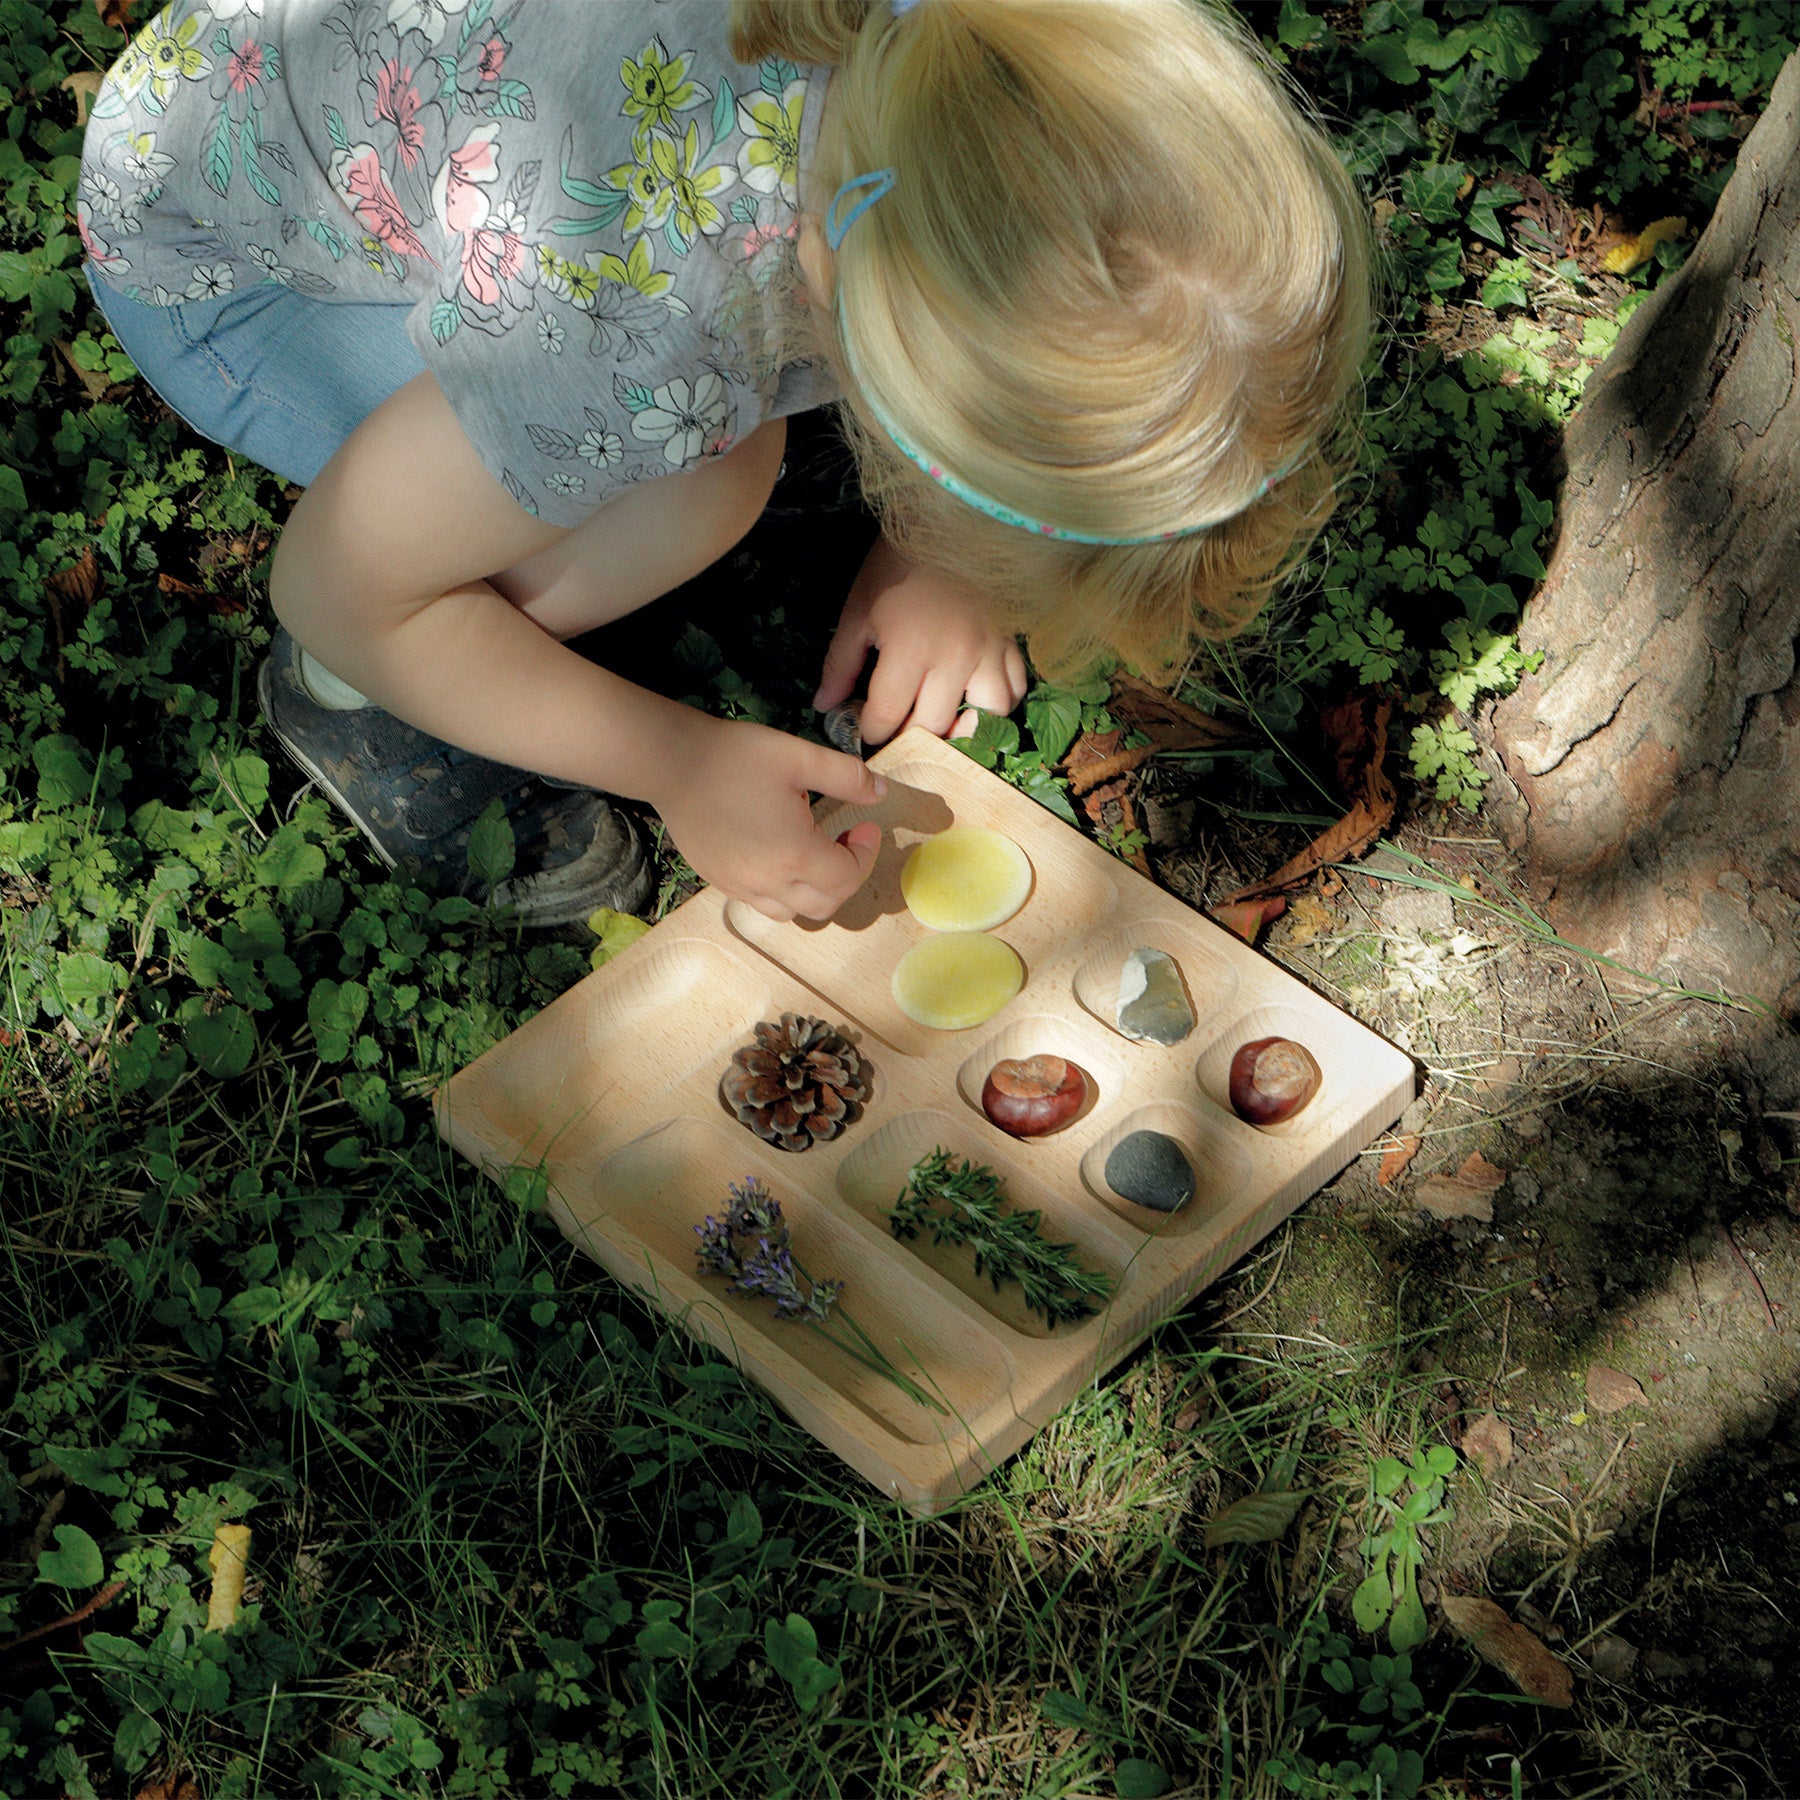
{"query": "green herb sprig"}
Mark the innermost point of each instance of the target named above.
(961, 1202)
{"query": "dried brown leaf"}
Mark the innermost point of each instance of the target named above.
(1533, 1669)
(1172, 723)
(1308, 918)
(1468, 1194)
(84, 84)
(116, 13)
(1488, 1444)
(1612, 1390)
(1248, 917)
(1394, 1161)
(80, 581)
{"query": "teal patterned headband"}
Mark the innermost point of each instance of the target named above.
(995, 509)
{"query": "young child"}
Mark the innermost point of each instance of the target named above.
(522, 293)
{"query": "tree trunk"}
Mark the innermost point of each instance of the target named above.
(1652, 765)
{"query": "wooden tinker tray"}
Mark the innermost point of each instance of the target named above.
(613, 1091)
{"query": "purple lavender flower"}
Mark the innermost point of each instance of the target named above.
(752, 1246)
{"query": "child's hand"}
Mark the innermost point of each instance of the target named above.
(938, 651)
(739, 813)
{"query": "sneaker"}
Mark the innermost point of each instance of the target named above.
(416, 799)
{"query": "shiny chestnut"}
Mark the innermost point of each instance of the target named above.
(1030, 1096)
(1272, 1078)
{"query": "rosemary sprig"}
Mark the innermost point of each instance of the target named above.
(961, 1202)
(750, 1243)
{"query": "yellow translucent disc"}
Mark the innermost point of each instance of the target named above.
(965, 879)
(957, 979)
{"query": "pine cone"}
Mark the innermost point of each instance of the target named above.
(799, 1084)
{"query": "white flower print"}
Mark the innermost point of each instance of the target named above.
(684, 418)
(550, 335)
(269, 261)
(143, 161)
(602, 448)
(560, 482)
(231, 9)
(210, 281)
(101, 193)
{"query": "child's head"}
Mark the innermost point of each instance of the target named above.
(1119, 283)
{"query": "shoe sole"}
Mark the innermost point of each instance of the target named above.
(547, 918)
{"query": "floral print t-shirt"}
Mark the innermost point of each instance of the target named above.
(582, 201)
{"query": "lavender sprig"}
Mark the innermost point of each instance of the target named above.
(750, 1244)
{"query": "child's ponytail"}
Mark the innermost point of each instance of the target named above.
(802, 31)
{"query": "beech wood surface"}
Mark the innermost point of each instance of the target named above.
(613, 1091)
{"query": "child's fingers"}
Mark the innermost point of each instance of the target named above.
(893, 689)
(940, 700)
(832, 880)
(838, 776)
(1017, 676)
(844, 659)
(991, 686)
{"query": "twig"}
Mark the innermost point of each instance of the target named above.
(1761, 1292)
(106, 1596)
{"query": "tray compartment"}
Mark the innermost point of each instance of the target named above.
(1223, 1172)
(1339, 1046)
(579, 1077)
(649, 1197)
(856, 951)
(1046, 1034)
(1212, 983)
(873, 1177)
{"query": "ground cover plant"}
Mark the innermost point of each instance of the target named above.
(512, 1535)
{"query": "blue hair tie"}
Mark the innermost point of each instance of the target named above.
(870, 187)
(900, 8)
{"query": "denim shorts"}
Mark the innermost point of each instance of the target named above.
(277, 376)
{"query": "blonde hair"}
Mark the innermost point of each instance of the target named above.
(1120, 282)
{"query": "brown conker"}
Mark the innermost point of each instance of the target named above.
(1272, 1078)
(1030, 1096)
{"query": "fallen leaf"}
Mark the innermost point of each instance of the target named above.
(1488, 1444)
(170, 1787)
(1308, 917)
(1255, 1519)
(230, 1564)
(1621, 259)
(1088, 776)
(1468, 1194)
(1172, 723)
(94, 382)
(1612, 1390)
(84, 84)
(116, 13)
(1248, 917)
(617, 931)
(1534, 1670)
(1357, 731)
(80, 581)
(1086, 753)
(1394, 1160)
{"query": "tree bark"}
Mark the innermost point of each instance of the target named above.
(1652, 766)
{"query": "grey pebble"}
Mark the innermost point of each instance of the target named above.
(1153, 999)
(1150, 1169)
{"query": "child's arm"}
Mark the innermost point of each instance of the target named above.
(381, 574)
(937, 650)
